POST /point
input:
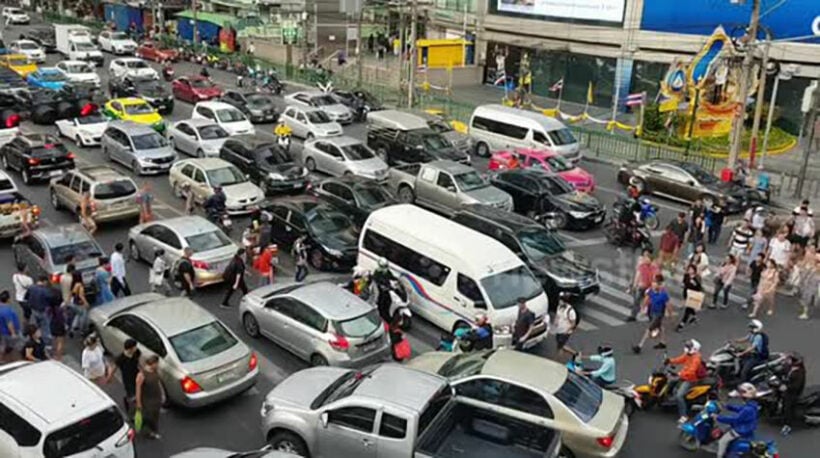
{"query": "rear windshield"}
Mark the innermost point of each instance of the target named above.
(114, 189)
(138, 109)
(433, 408)
(212, 132)
(361, 326)
(135, 64)
(49, 150)
(83, 435)
(91, 119)
(207, 241)
(357, 152)
(230, 115)
(81, 250)
(318, 117)
(6, 184)
(202, 342)
(464, 364)
(149, 141)
(580, 395)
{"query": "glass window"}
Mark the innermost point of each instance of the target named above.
(299, 312)
(228, 115)
(207, 241)
(557, 164)
(213, 132)
(444, 181)
(539, 137)
(199, 176)
(392, 426)
(124, 323)
(83, 435)
(441, 399)
(358, 152)
(581, 395)
(202, 342)
(562, 137)
(18, 428)
(516, 179)
(524, 400)
(406, 258)
(316, 117)
(149, 141)
(539, 243)
(114, 189)
(556, 185)
(468, 287)
(188, 170)
(37, 248)
(81, 250)
(465, 364)
(225, 176)
(485, 390)
(146, 335)
(91, 119)
(470, 181)
(428, 174)
(167, 236)
(280, 212)
(372, 196)
(138, 109)
(358, 418)
(361, 326)
(324, 220)
(335, 189)
(498, 127)
(273, 155)
(75, 184)
(504, 288)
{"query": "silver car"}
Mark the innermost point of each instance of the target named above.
(319, 322)
(202, 175)
(210, 452)
(212, 248)
(200, 360)
(310, 123)
(325, 102)
(197, 137)
(344, 155)
(137, 146)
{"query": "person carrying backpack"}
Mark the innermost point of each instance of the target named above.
(756, 353)
(564, 323)
(691, 371)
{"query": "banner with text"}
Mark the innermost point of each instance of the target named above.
(594, 11)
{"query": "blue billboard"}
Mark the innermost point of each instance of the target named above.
(785, 19)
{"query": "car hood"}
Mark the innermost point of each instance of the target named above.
(257, 108)
(83, 77)
(488, 195)
(290, 170)
(208, 91)
(430, 362)
(577, 176)
(329, 128)
(303, 387)
(93, 130)
(567, 264)
(456, 138)
(155, 152)
(342, 240)
(155, 93)
(368, 165)
(451, 154)
(149, 118)
(212, 145)
(576, 201)
(138, 72)
(241, 191)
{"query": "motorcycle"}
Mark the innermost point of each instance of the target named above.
(726, 364)
(619, 234)
(648, 213)
(222, 220)
(702, 433)
(398, 309)
(168, 72)
(660, 390)
(770, 398)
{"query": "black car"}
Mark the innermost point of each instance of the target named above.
(45, 38)
(397, 147)
(148, 89)
(332, 238)
(356, 196)
(558, 269)
(11, 82)
(544, 197)
(45, 106)
(359, 101)
(268, 165)
(10, 112)
(36, 157)
(258, 107)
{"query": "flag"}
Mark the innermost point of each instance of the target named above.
(636, 99)
(590, 98)
(557, 86)
(501, 78)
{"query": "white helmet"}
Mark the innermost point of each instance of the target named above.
(755, 325)
(383, 262)
(747, 390)
(692, 346)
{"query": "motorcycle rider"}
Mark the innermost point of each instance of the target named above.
(283, 135)
(215, 204)
(743, 423)
(605, 375)
(482, 333)
(204, 72)
(793, 384)
(691, 372)
(757, 351)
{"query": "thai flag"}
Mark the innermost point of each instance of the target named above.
(502, 78)
(636, 99)
(557, 86)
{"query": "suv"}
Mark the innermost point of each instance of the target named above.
(137, 146)
(557, 269)
(112, 193)
(266, 163)
(404, 138)
(36, 157)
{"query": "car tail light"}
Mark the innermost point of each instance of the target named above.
(88, 109)
(35, 210)
(189, 386)
(200, 264)
(253, 362)
(13, 121)
(605, 442)
(55, 278)
(33, 161)
(339, 343)
(71, 156)
(126, 438)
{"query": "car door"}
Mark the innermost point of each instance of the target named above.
(148, 339)
(303, 124)
(468, 294)
(123, 151)
(182, 89)
(343, 198)
(349, 432)
(447, 193)
(279, 224)
(655, 177)
(335, 162)
(71, 192)
(320, 156)
(270, 320)
(302, 327)
(61, 188)
(294, 228)
(521, 188)
(200, 186)
(681, 184)
(13, 153)
(116, 331)
(185, 139)
(31, 253)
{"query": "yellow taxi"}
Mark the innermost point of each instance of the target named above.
(18, 63)
(135, 109)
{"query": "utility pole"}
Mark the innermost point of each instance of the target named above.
(315, 30)
(359, 56)
(745, 79)
(195, 7)
(761, 94)
(811, 119)
(402, 33)
(412, 56)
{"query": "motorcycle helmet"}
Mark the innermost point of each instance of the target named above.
(382, 263)
(755, 326)
(634, 181)
(605, 350)
(747, 390)
(480, 318)
(645, 200)
(691, 346)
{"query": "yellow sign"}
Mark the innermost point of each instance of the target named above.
(668, 105)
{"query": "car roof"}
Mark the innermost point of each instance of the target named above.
(342, 140)
(173, 315)
(396, 118)
(451, 166)
(331, 301)
(537, 372)
(214, 105)
(398, 385)
(47, 70)
(73, 62)
(303, 109)
(252, 141)
(199, 122)
(64, 234)
(188, 225)
(130, 101)
(205, 163)
(38, 139)
(300, 203)
(130, 127)
(512, 221)
(544, 120)
(129, 59)
(101, 173)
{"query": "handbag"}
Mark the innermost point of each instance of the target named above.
(402, 350)
(694, 299)
(138, 420)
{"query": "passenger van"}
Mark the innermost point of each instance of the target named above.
(48, 410)
(497, 127)
(451, 272)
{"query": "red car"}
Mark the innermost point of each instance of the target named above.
(149, 50)
(195, 89)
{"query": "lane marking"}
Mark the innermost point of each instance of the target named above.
(610, 306)
(602, 317)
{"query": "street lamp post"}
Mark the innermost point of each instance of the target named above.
(743, 93)
(784, 75)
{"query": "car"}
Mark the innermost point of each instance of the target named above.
(48, 78)
(546, 197)
(321, 323)
(84, 130)
(18, 215)
(334, 109)
(331, 236)
(131, 66)
(48, 409)
(117, 43)
(267, 164)
(686, 182)
(210, 452)
(29, 49)
(146, 88)
(337, 156)
(10, 113)
(202, 174)
(592, 420)
(355, 196)
(310, 123)
(46, 106)
(545, 160)
(15, 16)
(18, 63)
(197, 137)
(7, 184)
(258, 107)
(399, 137)
(201, 360)
(227, 116)
(44, 38)
(138, 147)
(113, 195)
(438, 123)
(47, 249)
(36, 156)
(136, 110)
(10, 81)
(359, 101)
(212, 249)
(153, 51)
(78, 71)
(195, 89)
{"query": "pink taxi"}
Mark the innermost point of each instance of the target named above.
(544, 159)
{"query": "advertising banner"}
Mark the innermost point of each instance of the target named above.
(595, 11)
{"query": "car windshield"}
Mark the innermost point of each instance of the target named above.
(470, 181)
(135, 64)
(84, 46)
(202, 342)
(147, 86)
(207, 241)
(701, 175)
(51, 77)
(318, 117)
(81, 250)
(561, 137)
(540, 243)
(372, 196)
(114, 189)
(149, 141)
(226, 176)
(343, 387)
(49, 149)
(212, 132)
(357, 152)
(273, 155)
(580, 395)
(556, 185)
(119, 36)
(435, 142)
(138, 109)
(78, 68)
(361, 326)
(504, 288)
(201, 83)
(326, 221)
(18, 61)
(227, 115)
(464, 364)
(555, 164)
(27, 45)
(257, 100)
(91, 119)
(324, 100)
(439, 126)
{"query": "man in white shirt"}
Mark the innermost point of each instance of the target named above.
(803, 224)
(118, 281)
(779, 249)
(564, 324)
(22, 282)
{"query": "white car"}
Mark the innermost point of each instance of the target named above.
(15, 16)
(133, 67)
(322, 101)
(7, 183)
(202, 174)
(29, 49)
(78, 71)
(310, 123)
(197, 137)
(85, 131)
(116, 43)
(227, 116)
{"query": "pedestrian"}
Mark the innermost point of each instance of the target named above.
(79, 324)
(102, 278)
(265, 264)
(523, 324)
(808, 283)
(714, 222)
(145, 199)
(150, 396)
(723, 281)
(93, 360)
(10, 329)
(645, 271)
(657, 299)
(803, 224)
(767, 288)
(58, 329)
(696, 234)
(22, 282)
(35, 346)
(564, 324)
(300, 254)
(482, 332)
(190, 202)
(128, 362)
(701, 260)
(234, 277)
(118, 282)
(158, 275)
(692, 297)
(758, 219)
(251, 49)
(185, 273)
(667, 248)
(779, 249)
(793, 385)
(86, 210)
(740, 243)
(39, 298)
(757, 244)
(756, 268)
(697, 209)
(371, 43)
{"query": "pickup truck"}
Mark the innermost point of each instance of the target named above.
(390, 411)
(445, 187)
(412, 146)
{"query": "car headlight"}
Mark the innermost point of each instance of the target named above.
(334, 252)
(502, 330)
(276, 176)
(579, 215)
(564, 282)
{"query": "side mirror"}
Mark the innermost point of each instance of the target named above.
(324, 419)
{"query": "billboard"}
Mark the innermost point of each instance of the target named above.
(593, 11)
(791, 19)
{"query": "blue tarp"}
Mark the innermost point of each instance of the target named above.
(123, 16)
(206, 30)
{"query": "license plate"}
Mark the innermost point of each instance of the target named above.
(54, 173)
(225, 378)
(297, 185)
(161, 107)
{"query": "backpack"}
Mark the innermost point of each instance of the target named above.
(764, 352)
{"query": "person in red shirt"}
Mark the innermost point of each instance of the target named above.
(668, 247)
(265, 264)
(645, 272)
(690, 373)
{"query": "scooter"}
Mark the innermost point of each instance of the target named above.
(660, 390)
(648, 213)
(770, 398)
(619, 235)
(725, 364)
(625, 389)
(222, 220)
(283, 135)
(702, 433)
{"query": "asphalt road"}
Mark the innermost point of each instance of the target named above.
(234, 424)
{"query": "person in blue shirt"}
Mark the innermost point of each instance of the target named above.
(605, 375)
(757, 351)
(742, 421)
(763, 182)
(655, 302)
(9, 327)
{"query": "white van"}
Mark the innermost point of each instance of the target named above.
(451, 272)
(48, 410)
(497, 127)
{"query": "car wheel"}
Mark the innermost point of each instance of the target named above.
(318, 360)
(310, 164)
(5, 162)
(26, 176)
(317, 259)
(134, 251)
(287, 442)
(406, 195)
(250, 325)
(135, 167)
(560, 220)
(565, 453)
(200, 153)
(55, 201)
